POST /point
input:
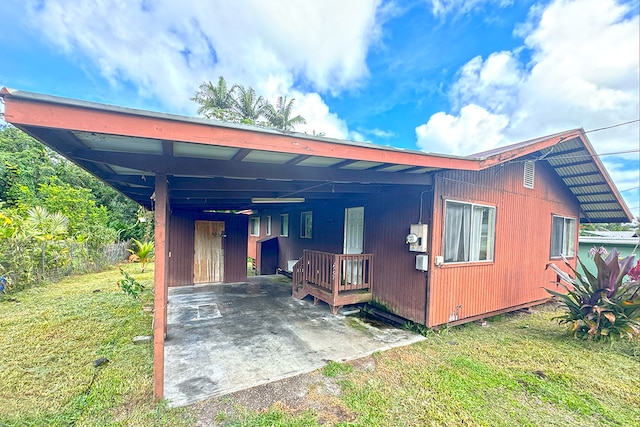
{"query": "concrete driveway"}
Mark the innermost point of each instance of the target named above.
(225, 338)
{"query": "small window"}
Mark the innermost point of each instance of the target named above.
(563, 236)
(469, 232)
(268, 225)
(306, 224)
(284, 225)
(529, 173)
(254, 226)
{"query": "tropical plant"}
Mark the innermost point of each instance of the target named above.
(280, 115)
(601, 307)
(216, 101)
(144, 252)
(43, 225)
(130, 285)
(248, 106)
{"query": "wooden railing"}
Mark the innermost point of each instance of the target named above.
(333, 278)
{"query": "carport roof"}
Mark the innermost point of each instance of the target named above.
(212, 165)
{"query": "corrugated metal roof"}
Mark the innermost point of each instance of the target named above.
(129, 161)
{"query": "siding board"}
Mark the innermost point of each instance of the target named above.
(181, 246)
(522, 241)
(387, 219)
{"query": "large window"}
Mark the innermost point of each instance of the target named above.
(469, 232)
(306, 224)
(563, 236)
(284, 225)
(254, 226)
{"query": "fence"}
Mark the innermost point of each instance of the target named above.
(24, 262)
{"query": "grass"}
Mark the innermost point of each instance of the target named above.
(519, 370)
(49, 340)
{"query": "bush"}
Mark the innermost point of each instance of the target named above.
(602, 307)
(130, 285)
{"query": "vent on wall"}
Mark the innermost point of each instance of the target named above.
(529, 173)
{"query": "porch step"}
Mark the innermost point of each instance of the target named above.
(335, 302)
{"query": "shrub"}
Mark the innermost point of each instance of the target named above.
(144, 252)
(606, 306)
(130, 285)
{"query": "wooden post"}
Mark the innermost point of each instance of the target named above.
(160, 283)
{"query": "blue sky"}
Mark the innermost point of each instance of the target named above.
(445, 76)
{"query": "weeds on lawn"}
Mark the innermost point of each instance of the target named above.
(334, 369)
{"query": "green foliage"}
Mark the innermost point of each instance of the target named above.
(55, 218)
(144, 252)
(239, 104)
(33, 175)
(281, 116)
(130, 285)
(602, 307)
(334, 369)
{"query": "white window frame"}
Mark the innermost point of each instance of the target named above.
(306, 224)
(563, 243)
(268, 225)
(254, 224)
(284, 225)
(478, 244)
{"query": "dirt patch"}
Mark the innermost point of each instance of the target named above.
(313, 391)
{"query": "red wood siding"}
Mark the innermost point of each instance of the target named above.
(387, 219)
(181, 250)
(522, 241)
(181, 238)
(397, 284)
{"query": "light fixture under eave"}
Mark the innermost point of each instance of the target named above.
(277, 200)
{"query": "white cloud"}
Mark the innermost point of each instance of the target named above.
(583, 72)
(460, 7)
(380, 133)
(167, 48)
(473, 130)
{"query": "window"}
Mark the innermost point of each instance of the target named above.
(306, 224)
(284, 225)
(268, 225)
(254, 226)
(563, 236)
(469, 232)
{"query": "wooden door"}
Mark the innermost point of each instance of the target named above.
(208, 259)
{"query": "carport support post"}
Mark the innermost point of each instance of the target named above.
(160, 283)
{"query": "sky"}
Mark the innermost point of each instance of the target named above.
(442, 76)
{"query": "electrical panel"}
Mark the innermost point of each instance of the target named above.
(417, 238)
(422, 262)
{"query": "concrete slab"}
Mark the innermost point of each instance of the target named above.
(225, 338)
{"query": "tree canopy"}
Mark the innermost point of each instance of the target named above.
(32, 175)
(240, 104)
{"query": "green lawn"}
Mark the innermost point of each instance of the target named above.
(49, 341)
(519, 370)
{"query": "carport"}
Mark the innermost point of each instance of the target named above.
(228, 337)
(203, 175)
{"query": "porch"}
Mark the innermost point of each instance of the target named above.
(336, 279)
(229, 337)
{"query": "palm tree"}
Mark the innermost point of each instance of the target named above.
(144, 252)
(247, 104)
(215, 101)
(279, 116)
(43, 225)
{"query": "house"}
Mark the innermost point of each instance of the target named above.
(436, 239)
(626, 242)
